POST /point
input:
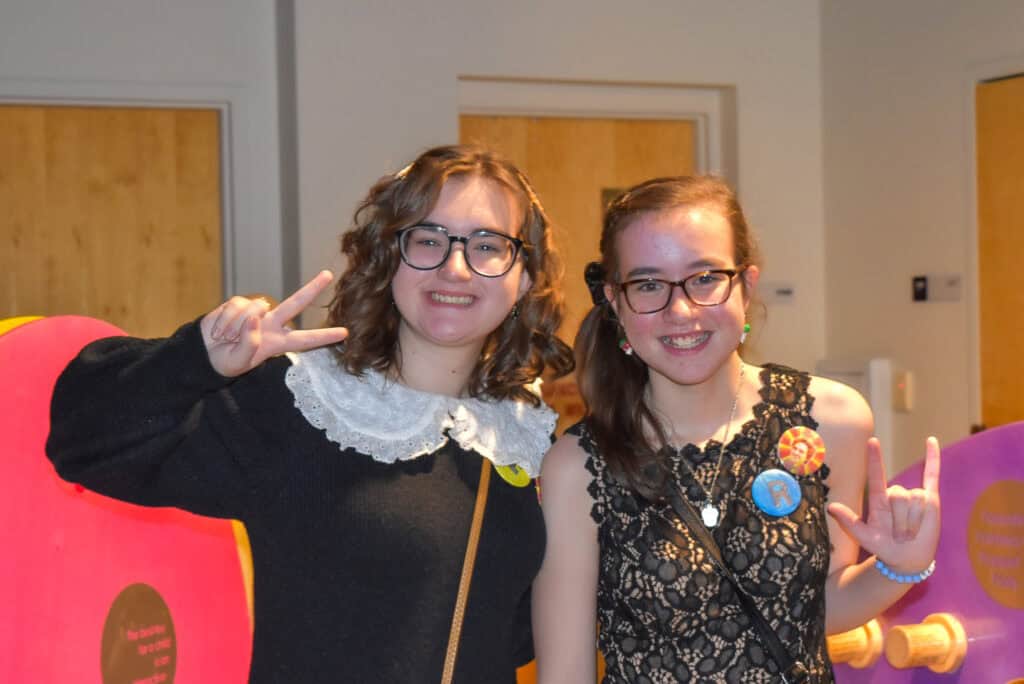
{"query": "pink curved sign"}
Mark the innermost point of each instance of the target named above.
(95, 590)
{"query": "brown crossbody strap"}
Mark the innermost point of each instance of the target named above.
(467, 572)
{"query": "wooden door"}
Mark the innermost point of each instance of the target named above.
(573, 164)
(1000, 150)
(110, 212)
(577, 165)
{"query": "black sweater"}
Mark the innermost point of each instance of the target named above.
(356, 562)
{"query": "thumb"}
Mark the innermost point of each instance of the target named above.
(852, 524)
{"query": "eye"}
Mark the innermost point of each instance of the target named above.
(649, 286)
(488, 243)
(426, 238)
(708, 279)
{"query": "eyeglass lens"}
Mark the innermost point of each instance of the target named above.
(427, 247)
(705, 289)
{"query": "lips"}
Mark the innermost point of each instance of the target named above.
(452, 299)
(686, 341)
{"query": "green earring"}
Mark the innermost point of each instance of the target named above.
(743, 336)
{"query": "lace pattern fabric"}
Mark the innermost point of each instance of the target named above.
(665, 614)
(391, 422)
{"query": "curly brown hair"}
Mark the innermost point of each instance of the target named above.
(613, 384)
(515, 354)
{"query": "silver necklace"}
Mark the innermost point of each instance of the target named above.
(709, 512)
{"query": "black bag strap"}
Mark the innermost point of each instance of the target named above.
(792, 670)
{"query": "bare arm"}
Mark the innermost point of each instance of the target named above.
(901, 527)
(565, 591)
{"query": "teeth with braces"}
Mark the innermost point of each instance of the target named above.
(686, 342)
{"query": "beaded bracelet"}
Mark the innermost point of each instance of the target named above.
(889, 573)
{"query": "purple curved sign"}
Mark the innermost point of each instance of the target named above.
(979, 575)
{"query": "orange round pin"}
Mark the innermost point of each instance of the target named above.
(801, 450)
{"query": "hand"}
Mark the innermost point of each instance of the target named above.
(902, 526)
(241, 333)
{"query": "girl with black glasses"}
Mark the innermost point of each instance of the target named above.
(359, 455)
(688, 513)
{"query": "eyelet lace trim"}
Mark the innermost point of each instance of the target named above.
(391, 422)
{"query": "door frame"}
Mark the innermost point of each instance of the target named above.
(227, 100)
(976, 75)
(712, 108)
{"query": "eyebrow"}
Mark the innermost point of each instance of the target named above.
(478, 229)
(700, 264)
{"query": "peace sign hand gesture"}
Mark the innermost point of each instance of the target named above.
(242, 333)
(901, 527)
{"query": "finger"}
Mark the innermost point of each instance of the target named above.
(215, 318)
(301, 298)
(876, 470)
(301, 340)
(899, 505)
(253, 310)
(917, 504)
(209, 324)
(932, 466)
(225, 327)
(249, 337)
(852, 524)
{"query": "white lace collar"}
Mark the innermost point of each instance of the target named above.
(392, 422)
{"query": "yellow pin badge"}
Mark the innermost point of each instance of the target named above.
(514, 475)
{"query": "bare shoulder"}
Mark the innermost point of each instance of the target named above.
(565, 489)
(845, 424)
(840, 409)
(565, 464)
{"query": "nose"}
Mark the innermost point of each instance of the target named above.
(679, 305)
(455, 267)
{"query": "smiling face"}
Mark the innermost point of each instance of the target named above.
(683, 343)
(451, 306)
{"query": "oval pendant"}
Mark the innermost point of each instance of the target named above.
(709, 514)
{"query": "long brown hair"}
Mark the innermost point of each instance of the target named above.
(613, 384)
(521, 348)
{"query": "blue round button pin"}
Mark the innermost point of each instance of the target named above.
(776, 492)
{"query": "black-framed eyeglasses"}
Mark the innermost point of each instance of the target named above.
(707, 288)
(489, 253)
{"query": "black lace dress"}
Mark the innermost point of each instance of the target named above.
(665, 615)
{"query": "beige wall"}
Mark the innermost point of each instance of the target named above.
(898, 169)
(377, 83)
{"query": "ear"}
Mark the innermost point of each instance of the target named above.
(609, 294)
(750, 276)
(525, 283)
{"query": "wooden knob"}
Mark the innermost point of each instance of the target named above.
(858, 648)
(939, 642)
